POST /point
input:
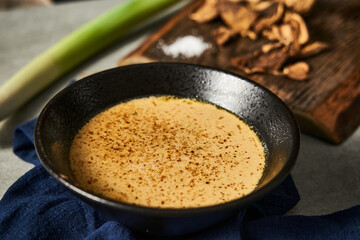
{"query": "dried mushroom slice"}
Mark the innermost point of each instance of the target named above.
(238, 1)
(293, 30)
(270, 46)
(241, 1)
(302, 7)
(269, 16)
(291, 16)
(238, 17)
(207, 12)
(294, 48)
(250, 34)
(273, 34)
(283, 33)
(286, 33)
(260, 6)
(313, 49)
(222, 35)
(274, 59)
(297, 71)
(261, 62)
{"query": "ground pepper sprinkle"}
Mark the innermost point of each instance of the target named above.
(167, 152)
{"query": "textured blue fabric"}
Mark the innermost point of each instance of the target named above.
(37, 207)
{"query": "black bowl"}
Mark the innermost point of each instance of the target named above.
(70, 109)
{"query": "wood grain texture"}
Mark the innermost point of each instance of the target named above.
(326, 105)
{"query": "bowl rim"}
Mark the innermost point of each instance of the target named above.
(171, 212)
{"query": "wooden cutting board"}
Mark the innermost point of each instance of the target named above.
(326, 105)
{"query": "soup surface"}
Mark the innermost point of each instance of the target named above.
(167, 152)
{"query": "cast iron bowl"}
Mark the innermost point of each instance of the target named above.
(71, 108)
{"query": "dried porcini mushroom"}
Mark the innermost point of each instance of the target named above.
(207, 12)
(295, 43)
(269, 16)
(259, 61)
(237, 1)
(287, 33)
(260, 6)
(298, 71)
(292, 31)
(313, 49)
(238, 17)
(270, 46)
(222, 35)
(302, 7)
(282, 34)
(273, 34)
(279, 21)
(303, 36)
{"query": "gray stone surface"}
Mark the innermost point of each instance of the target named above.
(327, 176)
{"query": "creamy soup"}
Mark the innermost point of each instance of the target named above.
(167, 152)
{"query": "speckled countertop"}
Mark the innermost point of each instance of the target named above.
(327, 176)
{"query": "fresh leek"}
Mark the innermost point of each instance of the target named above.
(74, 49)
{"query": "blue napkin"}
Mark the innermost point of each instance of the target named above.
(37, 207)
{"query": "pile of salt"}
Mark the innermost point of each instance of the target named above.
(188, 46)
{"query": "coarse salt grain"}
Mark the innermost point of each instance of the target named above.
(188, 46)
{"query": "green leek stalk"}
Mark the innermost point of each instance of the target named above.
(75, 49)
